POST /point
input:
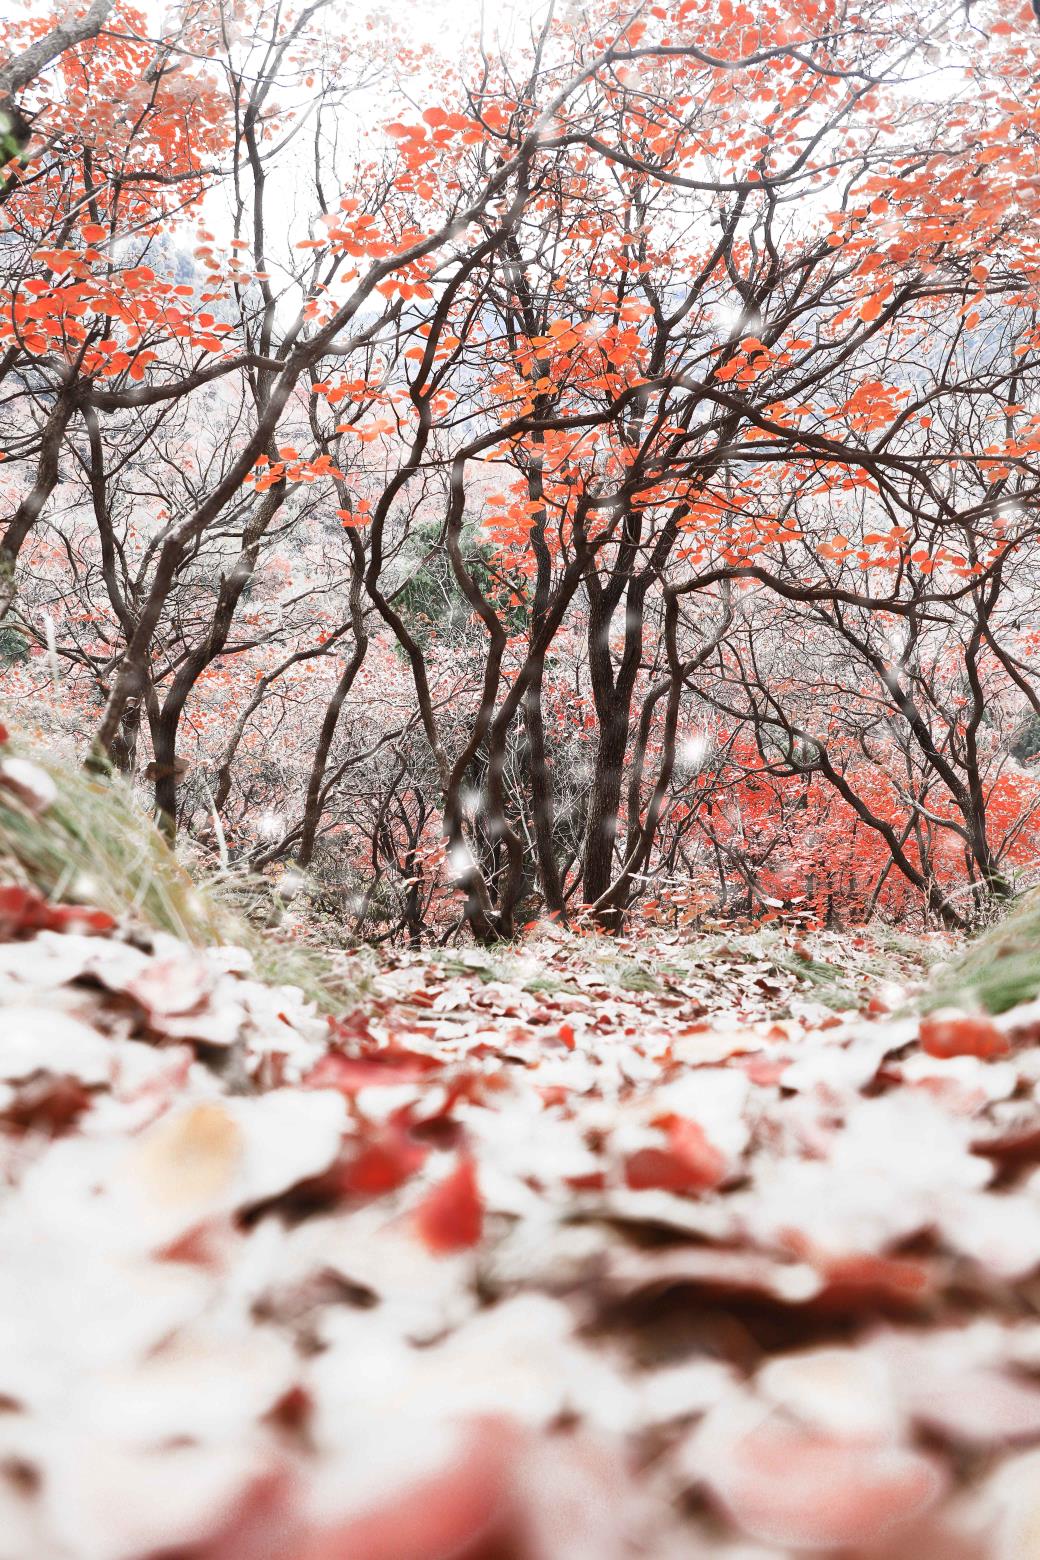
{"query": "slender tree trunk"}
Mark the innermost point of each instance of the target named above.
(28, 511)
(604, 804)
(542, 798)
(313, 805)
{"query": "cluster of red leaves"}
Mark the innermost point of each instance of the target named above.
(23, 911)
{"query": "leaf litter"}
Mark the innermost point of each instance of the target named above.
(529, 1257)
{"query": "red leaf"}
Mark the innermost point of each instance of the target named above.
(690, 1163)
(785, 1484)
(466, 1507)
(382, 1165)
(17, 908)
(451, 1216)
(950, 1033)
(348, 1074)
(78, 918)
(50, 1103)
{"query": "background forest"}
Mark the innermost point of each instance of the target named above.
(535, 465)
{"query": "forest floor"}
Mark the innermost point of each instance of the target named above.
(577, 1251)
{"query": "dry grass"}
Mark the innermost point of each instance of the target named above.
(95, 844)
(998, 969)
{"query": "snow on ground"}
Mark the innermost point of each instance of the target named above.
(524, 1259)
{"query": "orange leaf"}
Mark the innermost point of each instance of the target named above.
(952, 1033)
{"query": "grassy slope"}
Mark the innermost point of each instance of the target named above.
(96, 845)
(998, 969)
